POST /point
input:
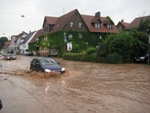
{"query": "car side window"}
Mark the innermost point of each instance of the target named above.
(33, 61)
(37, 62)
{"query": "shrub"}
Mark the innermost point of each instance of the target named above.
(91, 50)
(114, 58)
(91, 57)
(74, 56)
(80, 57)
(101, 59)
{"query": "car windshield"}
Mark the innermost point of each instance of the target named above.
(48, 61)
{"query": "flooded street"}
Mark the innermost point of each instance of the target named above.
(84, 88)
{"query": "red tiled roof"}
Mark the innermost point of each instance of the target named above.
(38, 34)
(60, 22)
(51, 20)
(88, 19)
(136, 22)
(125, 24)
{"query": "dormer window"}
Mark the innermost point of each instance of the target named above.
(80, 25)
(71, 24)
(109, 26)
(97, 26)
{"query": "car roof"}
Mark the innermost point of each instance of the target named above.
(44, 58)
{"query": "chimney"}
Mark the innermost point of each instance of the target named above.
(98, 14)
(122, 20)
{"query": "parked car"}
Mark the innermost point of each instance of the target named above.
(10, 56)
(46, 65)
(142, 59)
(28, 53)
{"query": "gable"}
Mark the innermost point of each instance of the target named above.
(49, 20)
(37, 35)
(28, 37)
(48, 23)
(63, 22)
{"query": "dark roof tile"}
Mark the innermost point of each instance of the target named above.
(28, 37)
(37, 35)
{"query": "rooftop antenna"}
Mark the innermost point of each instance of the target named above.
(63, 10)
(143, 13)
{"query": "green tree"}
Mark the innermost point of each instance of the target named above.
(2, 41)
(126, 44)
(144, 24)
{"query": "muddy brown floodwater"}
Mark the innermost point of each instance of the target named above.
(84, 88)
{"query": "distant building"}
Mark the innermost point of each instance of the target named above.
(16, 40)
(24, 45)
(122, 25)
(136, 22)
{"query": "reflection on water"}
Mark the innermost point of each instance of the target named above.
(88, 87)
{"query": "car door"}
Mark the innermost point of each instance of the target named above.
(38, 66)
(32, 66)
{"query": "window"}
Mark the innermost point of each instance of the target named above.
(71, 24)
(109, 26)
(100, 37)
(120, 28)
(80, 35)
(97, 26)
(80, 25)
(70, 36)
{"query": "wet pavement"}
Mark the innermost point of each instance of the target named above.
(84, 88)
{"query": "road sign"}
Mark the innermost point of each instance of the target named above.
(69, 46)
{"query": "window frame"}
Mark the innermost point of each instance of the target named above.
(71, 24)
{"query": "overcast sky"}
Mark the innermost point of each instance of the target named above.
(11, 22)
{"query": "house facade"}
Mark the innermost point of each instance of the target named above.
(66, 24)
(80, 30)
(16, 40)
(25, 44)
